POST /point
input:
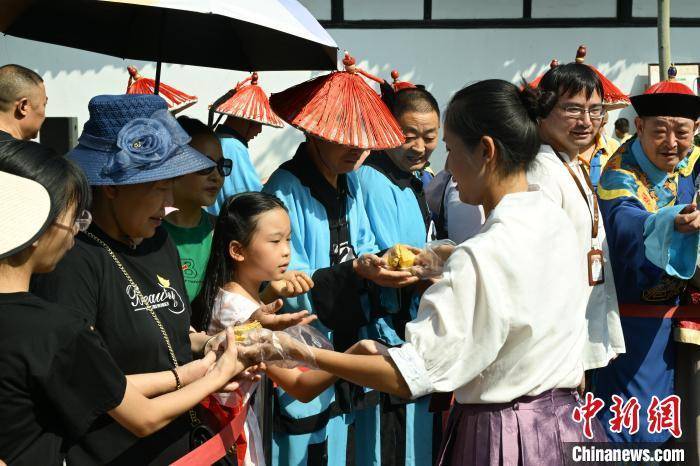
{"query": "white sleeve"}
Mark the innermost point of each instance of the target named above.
(458, 332)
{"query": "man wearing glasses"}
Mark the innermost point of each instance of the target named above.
(570, 118)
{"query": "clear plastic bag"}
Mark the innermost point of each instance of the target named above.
(430, 262)
(287, 348)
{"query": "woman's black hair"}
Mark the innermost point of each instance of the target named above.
(570, 79)
(237, 221)
(501, 110)
(63, 179)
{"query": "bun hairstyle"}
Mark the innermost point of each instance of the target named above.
(237, 221)
(501, 110)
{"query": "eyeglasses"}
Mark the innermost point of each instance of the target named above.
(81, 223)
(596, 112)
(223, 166)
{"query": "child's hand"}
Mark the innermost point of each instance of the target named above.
(268, 317)
(292, 284)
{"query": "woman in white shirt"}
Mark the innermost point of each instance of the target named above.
(504, 327)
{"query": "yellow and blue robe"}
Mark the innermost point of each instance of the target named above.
(316, 433)
(398, 213)
(243, 177)
(651, 263)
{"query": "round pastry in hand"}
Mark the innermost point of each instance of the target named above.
(400, 258)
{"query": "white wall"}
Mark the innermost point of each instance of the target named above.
(443, 60)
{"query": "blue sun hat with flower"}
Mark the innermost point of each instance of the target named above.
(131, 139)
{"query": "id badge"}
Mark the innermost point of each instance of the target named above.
(596, 275)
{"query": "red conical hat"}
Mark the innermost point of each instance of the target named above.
(399, 85)
(176, 100)
(668, 98)
(536, 82)
(613, 98)
(250, 103)
(340, 107)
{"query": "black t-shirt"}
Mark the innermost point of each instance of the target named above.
(5, 136)
(89, 280)
(56, 377)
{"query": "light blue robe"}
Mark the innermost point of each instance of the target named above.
(311, 245)
(396, 217)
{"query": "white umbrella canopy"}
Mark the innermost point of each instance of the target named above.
(247, 35)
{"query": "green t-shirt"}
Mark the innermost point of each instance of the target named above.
(194, 246)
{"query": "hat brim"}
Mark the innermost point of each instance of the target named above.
(25, 206)
(266, 123)
(667, 104)
(186, 160)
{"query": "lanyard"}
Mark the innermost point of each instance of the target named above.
(595, 215)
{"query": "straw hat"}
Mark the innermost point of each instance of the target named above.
(131, 139)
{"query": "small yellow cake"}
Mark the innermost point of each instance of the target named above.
(400, 257)
(242, 330)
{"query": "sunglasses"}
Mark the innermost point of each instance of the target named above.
(223, 166)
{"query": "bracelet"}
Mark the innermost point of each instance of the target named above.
(178, 385)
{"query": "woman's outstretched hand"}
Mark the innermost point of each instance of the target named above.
(228, 365)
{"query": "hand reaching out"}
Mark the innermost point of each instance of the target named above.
(268, 317)
(688, 220)
(293, 283)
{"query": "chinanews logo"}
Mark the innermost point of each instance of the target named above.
(167, 297)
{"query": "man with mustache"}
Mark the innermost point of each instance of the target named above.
(647, 192)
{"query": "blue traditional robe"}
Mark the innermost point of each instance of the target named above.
(398, 213)
(243, 177)
(651, 262)
(339, 297)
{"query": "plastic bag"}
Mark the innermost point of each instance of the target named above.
(430, 262)
(287, 348)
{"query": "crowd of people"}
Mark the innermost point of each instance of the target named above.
(130, 267)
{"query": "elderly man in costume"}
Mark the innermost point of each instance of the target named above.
(647, 201)
(332, 240)
(246, 109)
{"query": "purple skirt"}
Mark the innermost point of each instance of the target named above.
(530, 431)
